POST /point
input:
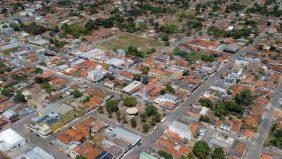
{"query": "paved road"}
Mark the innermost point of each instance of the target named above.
(256, 148)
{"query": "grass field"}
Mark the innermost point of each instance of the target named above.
(124, 40)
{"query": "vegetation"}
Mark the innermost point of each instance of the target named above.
(218, 153)
(129, 101)
(76, 93)
(112, 106)
(31, 28)
(165, 155)
(133, 122)
(276, 136)
(201, 150)
(19, 98)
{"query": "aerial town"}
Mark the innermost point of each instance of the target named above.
(140, 79)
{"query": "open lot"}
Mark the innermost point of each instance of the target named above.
(124, 40)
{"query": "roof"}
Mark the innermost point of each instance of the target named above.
(145, 155)
(9, 137)
(37, 153)
(265, 156)
(121, 133)
(132, 110)
(56, 108)
(180, 126)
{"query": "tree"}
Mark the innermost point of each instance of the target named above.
(8, 92)
(133, 122)
(137, 77)
(165, 37)
(76, 93)
(101, 110)
(118, 116)
(129, 101)
(165, 155)
(244, 98)
(145, 128)
(218, 153)
(201, 150)
(124, 119)
(206, 102)
(38, 71)
(145, 80)
(19, 98)
(169, 89)
(185, 73)
(143, 117)
(151, 110)
(112, 106)
(80, 157)
(191, 156)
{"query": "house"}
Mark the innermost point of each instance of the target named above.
(181, 129)
(10, 115)
(237, 150)
(124, 135)
(230, 48)
(162, 75)
(195, 112)
(220, 140)
(166, 98)
(96, 74)
(132, 87)
(36, 153)
(10, 140)
(5, 29)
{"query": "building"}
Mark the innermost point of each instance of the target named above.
(5, 29)
(181, 129)
(51, 119)
(125, 135)
(10, 140)
(132, 87)
(162, 75)
(96, 74)
(36, 153)
(145, 155)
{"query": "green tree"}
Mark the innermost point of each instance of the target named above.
(143, 117)
(129, 101)
(169, 89)
(165, 155)
(145, 80)
(8, 92)
(80, 157)
(112, 106)
(165, 37)
(206, 102)
(124, 119)
(137, 77)
(244, 98)
(151, 110)
(133, 122)
(19, 98)
(76, 93)
(201, 150)
(218, 153)
(38, 71)
(145, 127)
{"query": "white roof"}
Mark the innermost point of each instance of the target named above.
(10, 137)
(131, 86)
(36, 153)
(132, 110)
